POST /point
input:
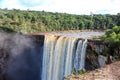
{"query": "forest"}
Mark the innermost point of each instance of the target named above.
(27, 21)
(112, 39)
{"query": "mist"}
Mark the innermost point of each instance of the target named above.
(21, 57)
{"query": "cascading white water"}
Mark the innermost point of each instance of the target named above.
(69, 55)
(83, 52)
(77, 55)
(61, 55)
(48, 55)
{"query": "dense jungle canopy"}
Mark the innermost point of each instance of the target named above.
(27, 21)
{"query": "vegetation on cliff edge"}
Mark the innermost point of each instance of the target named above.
(112, 39)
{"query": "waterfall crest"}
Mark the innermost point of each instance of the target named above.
(61, 55)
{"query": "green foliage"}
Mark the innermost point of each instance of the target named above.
(81, 71)
(112, 39)
(74, 71)
(112, 36)
(36, 21)
(5, 29)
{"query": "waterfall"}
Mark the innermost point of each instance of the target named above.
(77, 57)
(61, 55)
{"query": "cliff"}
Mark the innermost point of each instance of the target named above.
(16, 43)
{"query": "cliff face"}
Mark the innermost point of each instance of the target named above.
(16, 51)
(97, 55)
(4, 58)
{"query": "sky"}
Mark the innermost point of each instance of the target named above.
(65, 6)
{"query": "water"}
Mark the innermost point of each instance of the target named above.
(61, 55)
(83, 35)
(79, 62)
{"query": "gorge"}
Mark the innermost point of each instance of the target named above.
(44, 57)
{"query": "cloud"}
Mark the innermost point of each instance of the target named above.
(67, 6)
(82, 6)
(31, 3)
(11, 4)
